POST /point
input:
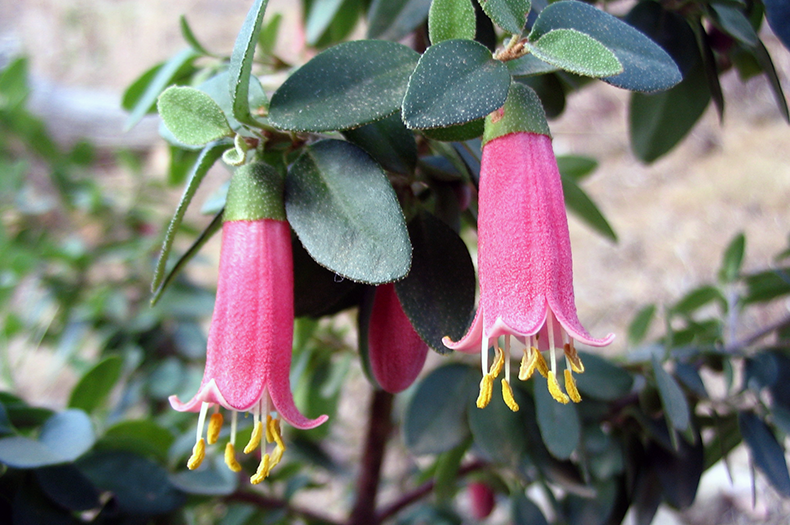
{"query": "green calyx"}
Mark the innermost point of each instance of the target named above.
(522, 112)
(256, 192)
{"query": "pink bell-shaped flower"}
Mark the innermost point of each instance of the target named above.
(524, 254)
(250, 339)
(397, 353)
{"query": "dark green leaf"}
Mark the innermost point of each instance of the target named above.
(696, 299)
(346, 214)
(69, 434)
(24, 453)
(576, 52)
(766, 451)
(14, 84)
(510, 15)
(777, 13)
(499, 432)
(68, 487)
(601, 379)
(319, 17)
(550, 90)
(732, 260)
(140, 486)
(207, 158)
(454, 82)
(647, 67)
(215, 479)
(672, 398)
(217, 88)
(523, 511)
(360, 82)
(450, 19)
(711, 66)
(679, 471)
(689, 376)
(734, 23)
(599, 510)
(32, 507)
(267, 38)
(190, 37)
(93, 388)
(438, 295)
(181, 162)
(192, 116)
(768, 285)
(5, 423)
(529, 65)
(140, 97)
(446, 474)
(457, 133)
(240, 68)
(639, 326)
(394, 19)
(141, 436)
(579, 203)
(435, 418)
(388, 142)
(767, 65)
(575, 167)
(558, 423)
(727, 436)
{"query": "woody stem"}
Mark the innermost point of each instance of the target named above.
(379, 428)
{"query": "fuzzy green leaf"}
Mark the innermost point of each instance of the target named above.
(192, 116)
(449, 19)
(576, 52)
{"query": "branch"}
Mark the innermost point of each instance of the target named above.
(265, 502)
(379, 428)
(756, 336)
(422, 491)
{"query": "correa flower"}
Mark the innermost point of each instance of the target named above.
(524, 255)
(250, 339)
(396, 352)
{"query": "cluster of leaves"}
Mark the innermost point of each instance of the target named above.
(379, 147)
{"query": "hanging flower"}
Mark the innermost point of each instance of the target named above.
(250, 339)
(524, 255)
(397, 353)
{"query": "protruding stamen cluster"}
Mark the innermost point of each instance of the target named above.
(531, 361)
(271, 432)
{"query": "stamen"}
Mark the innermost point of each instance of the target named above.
(543, 368)
(214, 427)
(486, 390)
(262, 472)
(274, 429)
(528, 363)
(499, 363)
(506, 358)
(484, 356)
(198, 453)
(570, 386)
(550, 329)
(202, 420)
(255, 438)
(507, 395)
(269, 435)
(573, 357)
(230, 457)
(555, 391)
(233, 424)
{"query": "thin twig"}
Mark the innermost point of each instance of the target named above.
(422, 491)
(756, 336)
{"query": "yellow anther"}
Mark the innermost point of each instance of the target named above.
(269, 436)
(263, 470)
(499, 364)
(543, 368)
(486, 390)
(570, 387)
(273, 430)
(255, 438)
(277, 455)
(573, 358)
(230, 458)
(198, 453)
(214, 426)
(554, 389)
(507, 395)
(531, 361)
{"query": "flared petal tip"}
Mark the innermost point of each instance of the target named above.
(193, 405)
(305, 423)
(592, 341)
(208, 393)
(468, 344)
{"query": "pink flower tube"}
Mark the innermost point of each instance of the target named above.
(249, 344)
(524, 255)
(397, 353)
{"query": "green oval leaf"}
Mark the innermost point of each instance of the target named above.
(529, 65)
(388, 142)
(767, 453)
(24, 453)
(457, 133)
(217, 88)
(601, 379)
(346, 86)
(216, 479)
(576, 52)
(449, 19)
(435, 418)
(639, 326)
(672, 398)
(646, 66)
(732, 260)
(510, 15)
(69, 434)
(317, 291)
(346, 214)
(523, 510)
(580, 204)
(454, 82)
(558, 423)
(438, 295)
(68, 487)
(498, 431)
(93, 388)
(141, 436)
(394, 19)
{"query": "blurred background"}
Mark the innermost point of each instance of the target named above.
(94, 232)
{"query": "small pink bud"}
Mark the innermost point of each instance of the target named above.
(482, 499)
